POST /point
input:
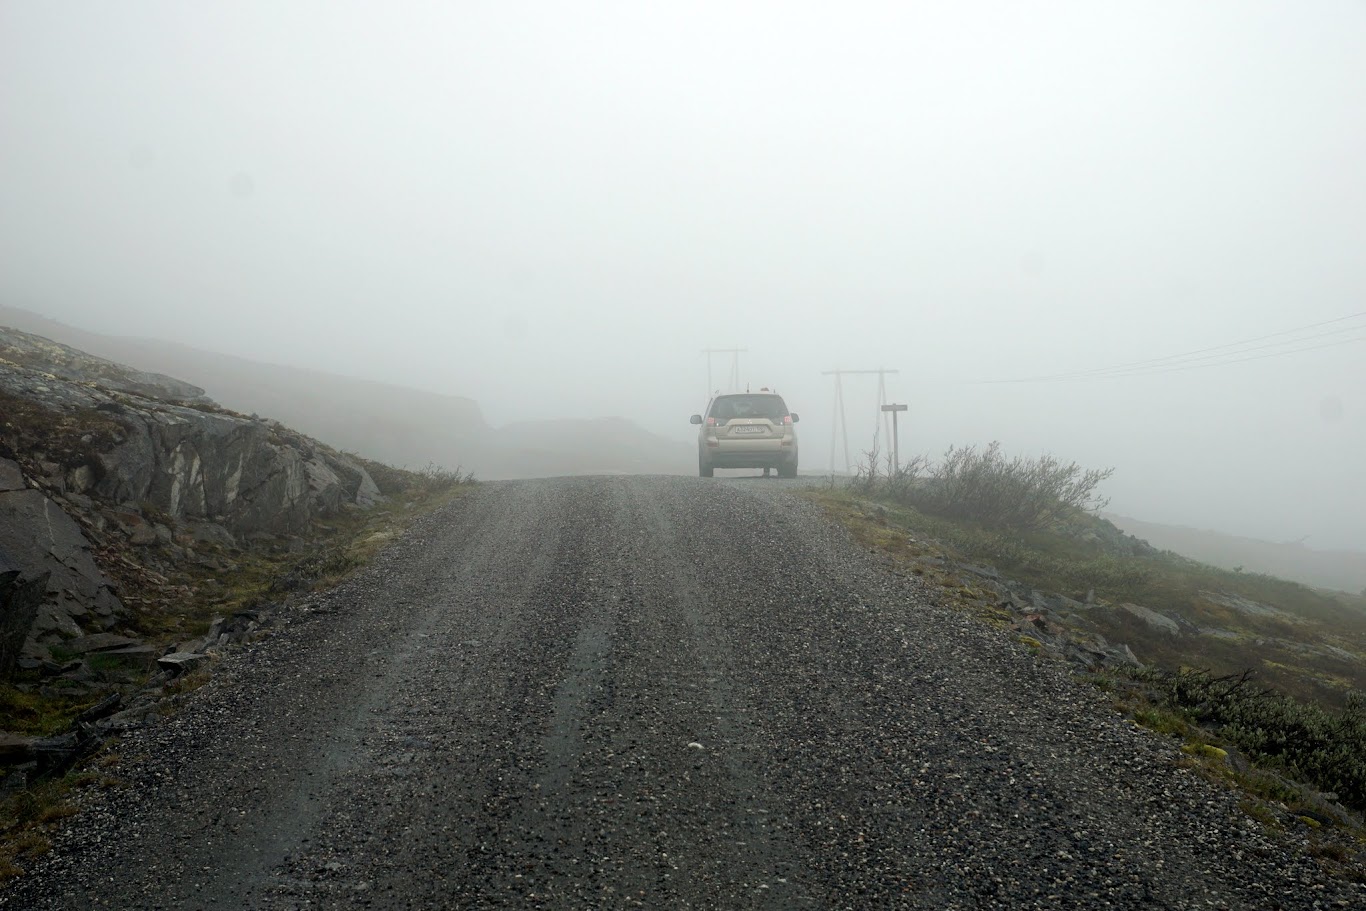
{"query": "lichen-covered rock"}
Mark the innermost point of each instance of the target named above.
(37, 538)
(20, 600)
(145, 458)
(196, 463)
(65, 362)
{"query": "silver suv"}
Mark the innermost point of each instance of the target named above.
(747, 430)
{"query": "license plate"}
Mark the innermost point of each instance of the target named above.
(748, 428)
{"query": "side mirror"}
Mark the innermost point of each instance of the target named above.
(795, 417)
(695, 419)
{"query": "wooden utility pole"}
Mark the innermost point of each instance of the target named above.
(896, 437)
(839, 421)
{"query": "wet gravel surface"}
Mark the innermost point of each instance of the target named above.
(658, 693)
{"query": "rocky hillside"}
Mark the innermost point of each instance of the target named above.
(99, 462)
(390, 423)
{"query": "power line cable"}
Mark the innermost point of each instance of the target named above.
(1174, 368)
(1194, 360)
(1176, 360)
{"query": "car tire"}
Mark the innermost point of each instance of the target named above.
(703, 469)
(787, 471)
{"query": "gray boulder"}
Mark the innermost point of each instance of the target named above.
(243, 474)
(11, 478)
(40, 540)
(20, 600)
(1248, 606)
(1159, 622)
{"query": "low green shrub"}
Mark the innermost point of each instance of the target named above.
(983, 485)
(1325, 747)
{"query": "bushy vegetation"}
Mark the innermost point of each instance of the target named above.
(30, 432)
(1325, 747)
(984, 485)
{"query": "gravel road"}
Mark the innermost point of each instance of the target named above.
(659, 693)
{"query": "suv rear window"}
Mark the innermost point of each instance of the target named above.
(729, 407)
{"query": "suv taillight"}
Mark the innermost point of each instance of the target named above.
(711, 422)
(787, 419)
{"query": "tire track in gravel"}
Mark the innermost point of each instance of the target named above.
(759, 815)
(629, 807)
(413, 811)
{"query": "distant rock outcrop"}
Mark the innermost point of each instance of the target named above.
(26, 350)
(87, 445)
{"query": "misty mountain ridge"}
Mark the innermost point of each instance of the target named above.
(1342, 570)
(384, 421)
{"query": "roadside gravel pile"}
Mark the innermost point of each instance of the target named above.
(661, 693)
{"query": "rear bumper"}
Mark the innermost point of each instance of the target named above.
(721, 457)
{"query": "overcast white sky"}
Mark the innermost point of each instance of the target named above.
(553, 207)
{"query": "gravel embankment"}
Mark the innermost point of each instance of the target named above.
(659, 693)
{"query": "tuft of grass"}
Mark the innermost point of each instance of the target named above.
(1268, 786)
(27, 819)
(1259, 811)
(14, 852)
(190, 682)
(401, 482)
(1163, 721)
(34, 714)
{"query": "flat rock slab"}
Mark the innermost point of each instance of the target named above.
(140, 657)
(1157, 621)
(181, 662)
(1247, 606)
(15, 748)
(99, 642)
